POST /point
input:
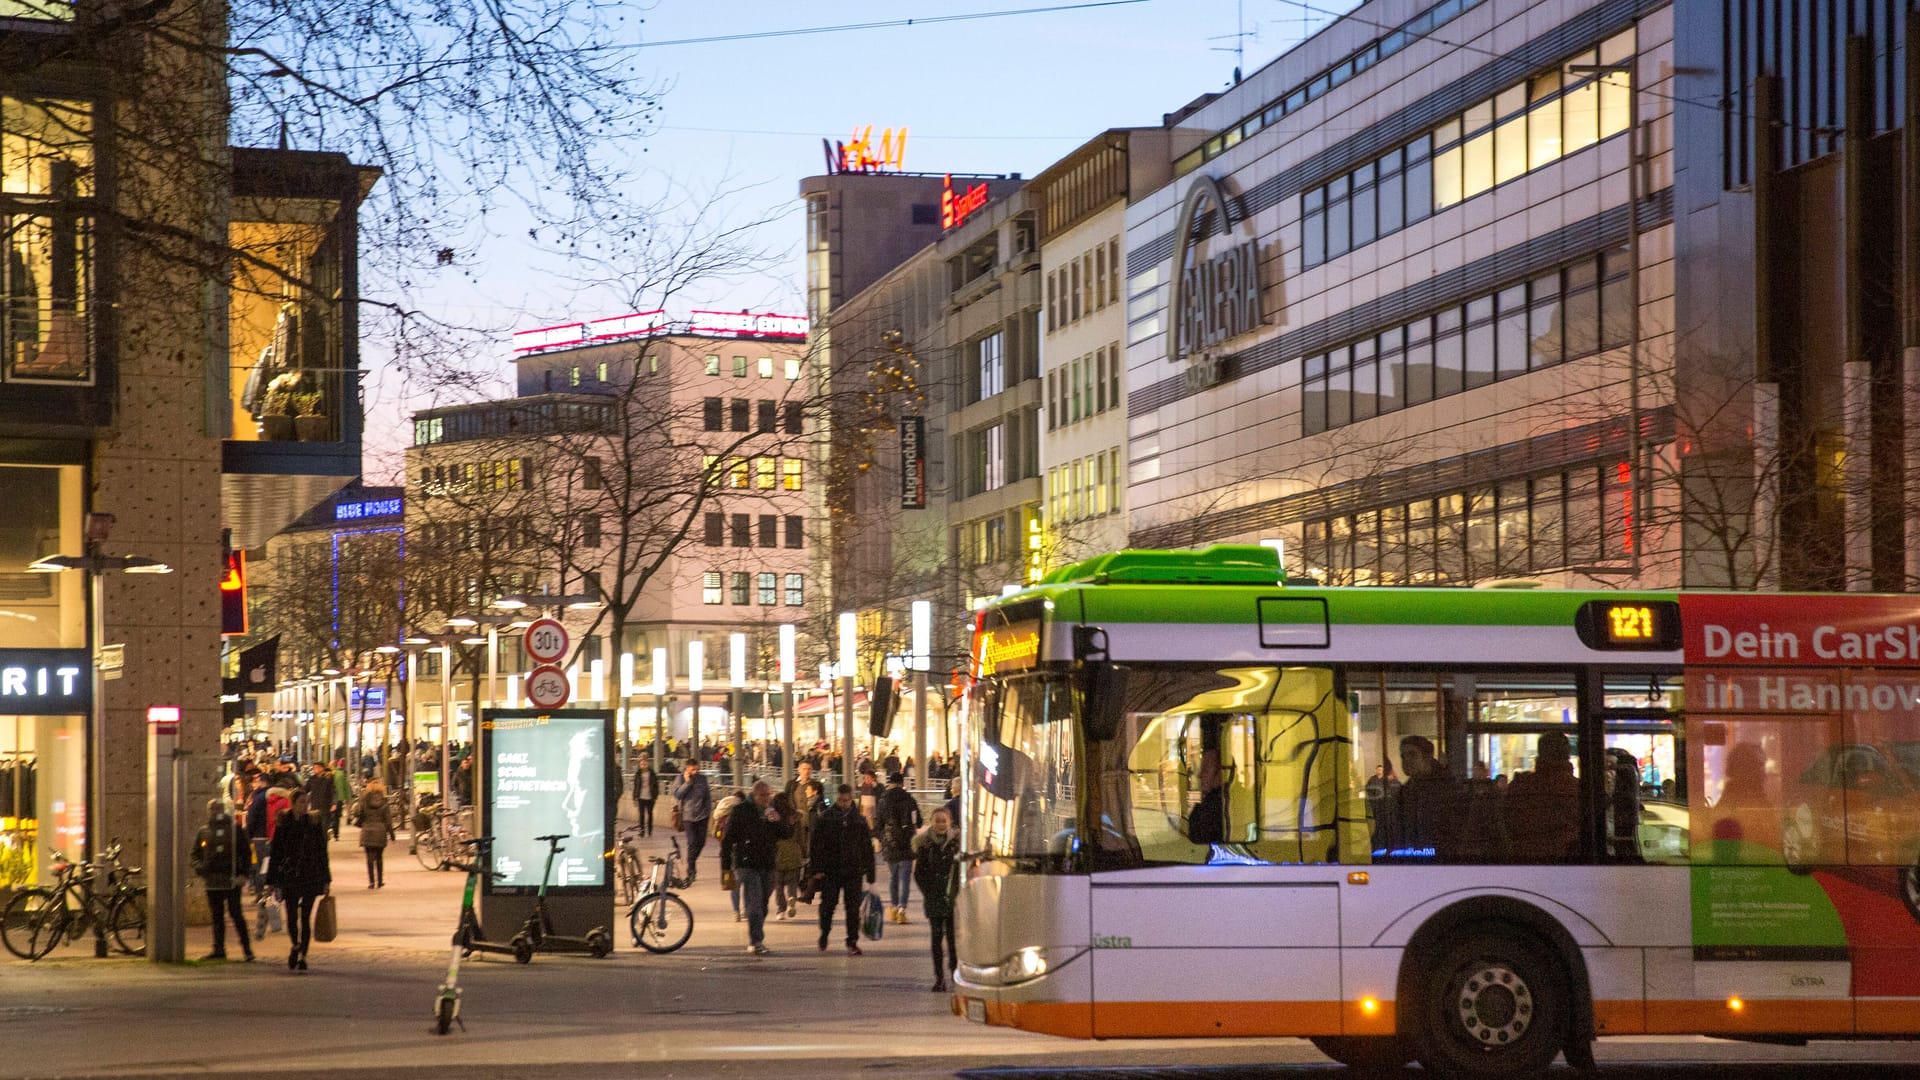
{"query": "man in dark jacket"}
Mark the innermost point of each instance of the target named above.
(223, 858)
(320, 797)
(747, 846)
(842, 856)
(899, 818)
(256, 826)
(646, 789)
(695, 800)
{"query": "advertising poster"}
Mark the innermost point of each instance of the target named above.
(546, 773)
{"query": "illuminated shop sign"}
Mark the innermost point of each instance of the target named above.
(1216, 283)
(749, 324)
(861, 154)
(567, 335)
(955, 208)
(546, 772)
(913, 463)
(40, 682)
(354, 511)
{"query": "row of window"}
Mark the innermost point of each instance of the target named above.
(493, 533)
(997, 455)
(1312, 89)
(742, 587)
(764, 367)
(473, 477)
(721, 414)
(720, 525)
(1083, 387)
(1524, 127)
(518, 417)
(766, 473)
(1086, 488)
(1562, 315)
(1083, 285)
(1573, 517)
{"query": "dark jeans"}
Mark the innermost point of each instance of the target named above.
(300, 921)
(940, 928)
(755, 887)
(222, 904)
(696, 840)
(646, 816)
(850, 892)
(376, 865)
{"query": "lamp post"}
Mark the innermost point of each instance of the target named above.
(659, 706)
(921, 629)
(786, 702)
(696, 680)
(849, 658)
(94, 564)
(737, 677)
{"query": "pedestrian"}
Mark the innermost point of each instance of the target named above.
(375, 815)
(718, 830)
(223, 857)
(319, 789)
(297, 868)
(936, 867)
(802, 776)
(646, 789)
(692, 805)
(842, 855)
(899, 818)
(748, 850)
(343, 793)
(257, 835)
(789, 859)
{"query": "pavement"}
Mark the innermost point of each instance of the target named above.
(709, 1010)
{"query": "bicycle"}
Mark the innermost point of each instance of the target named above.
(439, 844)
(36, 921)
(659, 920)
(627, 867)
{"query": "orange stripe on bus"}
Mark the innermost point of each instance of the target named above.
(1152, 1019)
(1887, 1016)
(1767, 1016)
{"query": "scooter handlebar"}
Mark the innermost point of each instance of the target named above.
(552, 837)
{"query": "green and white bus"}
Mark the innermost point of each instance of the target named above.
(1473, 828)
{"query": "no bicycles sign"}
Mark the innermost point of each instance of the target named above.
(547, 687)
(546, 641)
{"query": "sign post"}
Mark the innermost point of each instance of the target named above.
(542, 772)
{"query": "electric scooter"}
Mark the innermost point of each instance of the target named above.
(468, 939)
(538, 936)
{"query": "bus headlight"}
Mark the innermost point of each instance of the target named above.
(1024, 965)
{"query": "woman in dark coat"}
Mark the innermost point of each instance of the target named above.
(936, 869)
(297, 867)
(376, 829)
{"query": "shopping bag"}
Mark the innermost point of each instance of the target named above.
(875, 921)
(267, 918)
(325, 925)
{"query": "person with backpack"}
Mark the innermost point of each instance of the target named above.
(842, 854)
(899, 817)
(223, 857)
(936, 867)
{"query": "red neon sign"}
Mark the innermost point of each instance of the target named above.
(955, 209)
(748, 324)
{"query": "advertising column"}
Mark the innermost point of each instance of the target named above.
(544, 772)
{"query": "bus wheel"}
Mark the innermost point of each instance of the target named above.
(1492, 1005)
(1910, 888)
(1364, 1053)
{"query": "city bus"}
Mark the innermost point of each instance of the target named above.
(1473, 828)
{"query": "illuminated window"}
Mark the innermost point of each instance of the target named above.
(710, 587)
(763, 473)
(739, 367)
(713, 365)
(766, 367)
(790, 474)
(601, 373)
(767, 586)
(737, 473)
(573, 375)
(796, 590)
(793, 369)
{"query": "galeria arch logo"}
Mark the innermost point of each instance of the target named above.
(1216, 283)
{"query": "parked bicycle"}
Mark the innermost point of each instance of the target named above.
(441, 841)
(38, 920)
(659, 920)
(627, 866)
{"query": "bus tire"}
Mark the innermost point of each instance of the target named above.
(1910, 888)
(1364, 1053)
(1493, 1003)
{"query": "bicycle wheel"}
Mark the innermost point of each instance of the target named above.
(51, 926)
(21, 915)
(127, 919)
(630, 875)
(661, 923)
(428, 851)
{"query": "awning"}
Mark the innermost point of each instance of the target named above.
(826, 703)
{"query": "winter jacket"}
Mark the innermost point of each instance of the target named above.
(899, 818)
(297, 862)
(319, 791)
(751, 839)
(694, 796)
(936, 869)
(257, 814)
(279, 801)
(222, 855)
(376, 818)
(842, 844)
(646, 783)
(343, 786)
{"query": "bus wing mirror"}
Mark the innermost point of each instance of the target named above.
(1102, 685)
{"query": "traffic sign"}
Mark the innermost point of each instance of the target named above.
(546, 641)
(547, 687)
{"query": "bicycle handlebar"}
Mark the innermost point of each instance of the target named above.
(477, 841)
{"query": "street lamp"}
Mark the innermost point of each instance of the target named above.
(848, 661)
(93, 564)
(737, 676)
(696, 680)
(786, 701)
(659, 705)
(920, 624)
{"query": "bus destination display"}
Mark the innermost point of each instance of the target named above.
(1629, 624)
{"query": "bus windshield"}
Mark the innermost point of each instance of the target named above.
(1022, 804)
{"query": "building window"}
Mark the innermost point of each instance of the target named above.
(790, 477)
(765, 366)
(710, 587)
(767, 588)
(791, 420)
(763, 477)
(711, 408)
(739, 367)
(742, 530)
(710, 467)
(793, 369)
(989, 366)
(716, 528)
(573, 375)
(601, 374)
(47, 333)
(653, 364)
(739, 411)
(590, 475)
(590, 531)
(739, 584)
(765, 414)
(769, 530)
(737, 473)
(713, 368)
(796, 590)
(796, 531)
